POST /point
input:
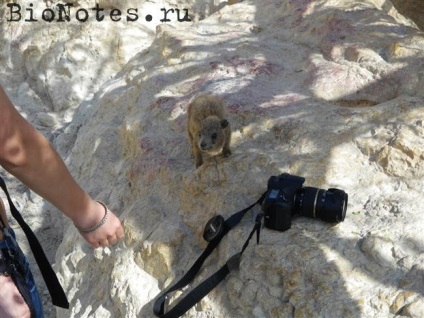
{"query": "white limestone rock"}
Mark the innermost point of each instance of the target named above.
(328, 90)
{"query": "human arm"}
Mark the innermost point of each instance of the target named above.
(28, 155)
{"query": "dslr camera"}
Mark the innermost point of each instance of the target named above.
(286, 198)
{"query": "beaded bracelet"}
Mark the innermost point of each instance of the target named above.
(95, 227)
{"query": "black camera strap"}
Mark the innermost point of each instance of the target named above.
(219, 228)
(55, 289)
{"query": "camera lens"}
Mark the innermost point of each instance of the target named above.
(329, 206)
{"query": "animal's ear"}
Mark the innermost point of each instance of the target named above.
(224, 123)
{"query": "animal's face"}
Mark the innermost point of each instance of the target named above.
(212, 135)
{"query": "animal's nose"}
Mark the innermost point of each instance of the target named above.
(203, 145)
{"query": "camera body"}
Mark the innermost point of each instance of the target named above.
(287, 197)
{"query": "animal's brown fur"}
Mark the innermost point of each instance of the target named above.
(208, 129)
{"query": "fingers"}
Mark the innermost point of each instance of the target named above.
(104, 243)
(107, 234)
(111, 240)
(120, 233)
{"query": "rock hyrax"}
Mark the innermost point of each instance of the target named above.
(208, 130)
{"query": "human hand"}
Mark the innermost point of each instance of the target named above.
(102, 234)
(12, 303)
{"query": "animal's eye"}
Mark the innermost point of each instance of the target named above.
(214, 135)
